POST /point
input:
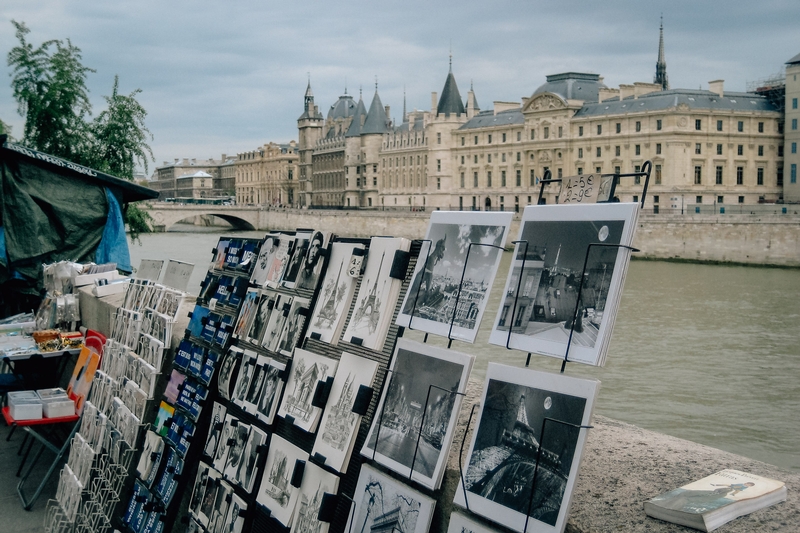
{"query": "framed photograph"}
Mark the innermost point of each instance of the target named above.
(273, 386)
(316, 483)
(512, 446)
(336, 293)
(540, 296)
(276, 492)
(445, 256)
(377, 295)
(418, 411)
(339, 425)
(379, 501)
(308, 369)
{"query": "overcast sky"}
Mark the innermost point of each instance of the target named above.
(225, 77)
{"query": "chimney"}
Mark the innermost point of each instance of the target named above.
(387, 109)
(604, 94)
(716, 86)
(470, 104)
(434, 98)
(224, 157)
(625, 91)
(641, 88)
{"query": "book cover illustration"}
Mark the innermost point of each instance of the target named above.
(308, 369)
(197, 322)
(542, 294)
(276, 492)
(173, 389)
(336, 293)
(379, 500)
(508, 438)
(337, 429)
(420, 375)
(437, 281)
(165, 412)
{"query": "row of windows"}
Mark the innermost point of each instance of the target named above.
(503, 181)
(719, 171)
(489, 158)
(489, 138)
(698, 125)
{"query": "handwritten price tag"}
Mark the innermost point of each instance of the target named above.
(580, 189)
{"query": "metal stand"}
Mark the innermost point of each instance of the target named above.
(647, 167)
(416, 296)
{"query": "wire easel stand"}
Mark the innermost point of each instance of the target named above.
(576, 312)
(538, 460)
(516, 294)
(422, 272)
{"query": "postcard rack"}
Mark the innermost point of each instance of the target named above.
(613, 181)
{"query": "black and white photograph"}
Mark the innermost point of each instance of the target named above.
(273, 386)
(277, 319)
(307, 370)
(234, 518)
(206, 511)
(236, 452)
(301, 240)
(247, 473)
(247, 369)
(313, 261)
(336, 293)
(228, 433)
(150, 458)
(246, 314)
(382, 504)
(215, 430)
(316, 483)
(377, 295)
(276, 492)
(512, 446)
(454, 274)
(222, 496)
(265, 256)
(293, 326)
(541, 296)
(227, 371)
(253, 395)
(337, 430)
(418, 410)
(258, 324)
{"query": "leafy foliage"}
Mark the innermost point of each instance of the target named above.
(49, 85)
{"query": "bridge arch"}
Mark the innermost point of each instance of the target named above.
(167, 215)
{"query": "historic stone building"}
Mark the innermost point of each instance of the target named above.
(268, 176)
(709, 148)
(791, 187)
(219, 170)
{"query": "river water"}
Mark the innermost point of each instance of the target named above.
(707, 353)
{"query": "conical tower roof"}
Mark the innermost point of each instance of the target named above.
(450, 102)
(376, 118)
(355, 126)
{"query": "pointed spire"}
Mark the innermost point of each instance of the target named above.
(661, 66)
(450, 101)
(522, 413)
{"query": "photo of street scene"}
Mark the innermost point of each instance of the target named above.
(411, 425)
(381, 504)
(438, 295)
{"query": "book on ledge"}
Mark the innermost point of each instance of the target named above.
(715, 500)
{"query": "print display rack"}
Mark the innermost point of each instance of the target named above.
(612, 180)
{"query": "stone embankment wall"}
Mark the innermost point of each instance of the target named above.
(747, 239)
(623, 465)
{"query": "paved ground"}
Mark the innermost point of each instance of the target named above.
(12, 516)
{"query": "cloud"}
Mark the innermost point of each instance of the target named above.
(227, 77)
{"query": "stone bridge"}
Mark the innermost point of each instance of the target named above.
(165, 215)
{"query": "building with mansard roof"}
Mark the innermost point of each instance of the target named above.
(709, 148)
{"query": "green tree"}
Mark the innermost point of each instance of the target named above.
(49, 85)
